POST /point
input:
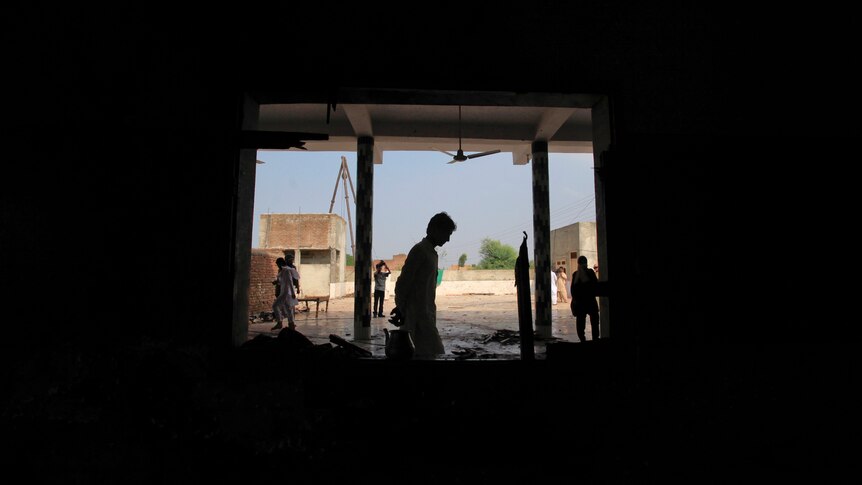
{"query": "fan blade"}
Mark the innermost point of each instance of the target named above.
(482, 154)
(452, 161)
(447, 153)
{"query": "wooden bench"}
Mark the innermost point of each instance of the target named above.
(317, 300)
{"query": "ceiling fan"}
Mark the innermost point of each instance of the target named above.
(459, 155)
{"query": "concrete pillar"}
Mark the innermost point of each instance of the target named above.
(362, 258)
(542, 238)
(601, 114)
(243, 216)
(241, 220)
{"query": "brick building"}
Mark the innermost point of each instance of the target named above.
(317, 242)
(569, 242)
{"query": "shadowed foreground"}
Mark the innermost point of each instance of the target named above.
(286, 408)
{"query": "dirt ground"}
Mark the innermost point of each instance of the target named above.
(471, 326)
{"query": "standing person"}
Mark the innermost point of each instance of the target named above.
(287, 281)
(584, 287)
(553, 288)
(294, 276)
(562, 296)
(379, 288)
(416, 288)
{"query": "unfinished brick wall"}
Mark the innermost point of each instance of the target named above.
(317, 240)
(313, 231)
(261, 292)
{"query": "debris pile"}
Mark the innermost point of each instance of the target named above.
(504, 337)
(264, 317)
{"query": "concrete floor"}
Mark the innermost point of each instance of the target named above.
(466, 323)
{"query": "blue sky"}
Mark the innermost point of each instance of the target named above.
(486, 196)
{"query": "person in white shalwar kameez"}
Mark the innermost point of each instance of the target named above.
(553, 288)
(416, 288)
(286, 301)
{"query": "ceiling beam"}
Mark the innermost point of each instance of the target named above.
(522, 155)
(357, 95)
(360, 120)
(551, 121)
(277, 139)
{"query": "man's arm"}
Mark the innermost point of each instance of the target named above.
(406, 281)
(295, 276)
(413, 279)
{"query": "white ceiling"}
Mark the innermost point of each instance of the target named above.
(428, 121)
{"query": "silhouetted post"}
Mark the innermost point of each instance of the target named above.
(362, 258)
(525, 310)
(542, 238)
(602, 141)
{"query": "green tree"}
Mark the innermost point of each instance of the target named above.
(496, 255)
(462, 260)
(349, 260)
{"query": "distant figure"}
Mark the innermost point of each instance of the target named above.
(294, 276)
(416, 288)
(596, 269)
(553, 287)
(288, 282)
(380, 288)
(584, 287)
(562, 296)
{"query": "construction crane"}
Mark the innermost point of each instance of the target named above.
(344, 177)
